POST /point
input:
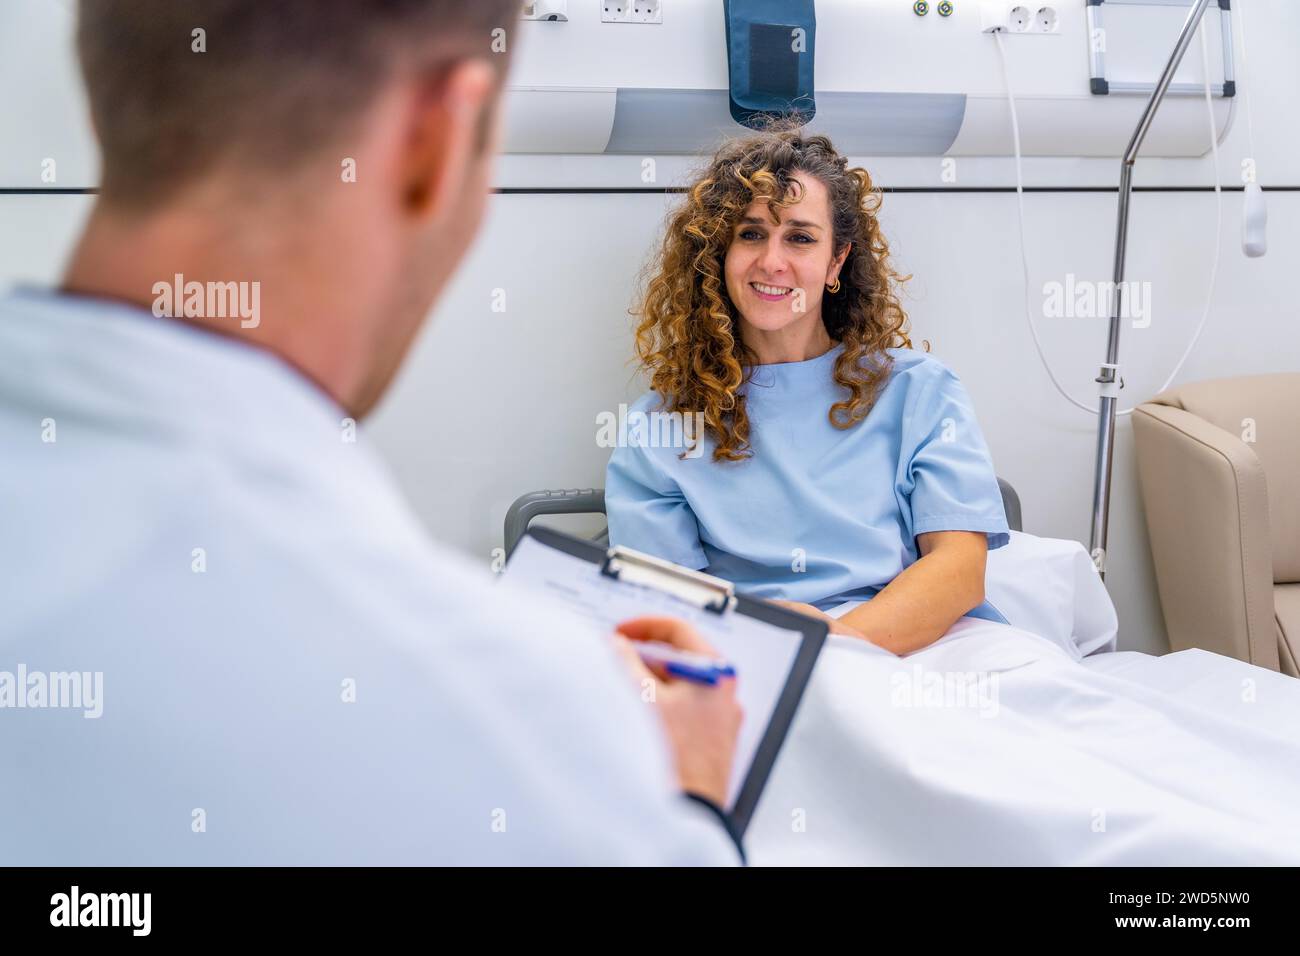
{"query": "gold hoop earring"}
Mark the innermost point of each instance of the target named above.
(832, 289)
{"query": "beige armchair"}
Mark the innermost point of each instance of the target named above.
(1219, 467)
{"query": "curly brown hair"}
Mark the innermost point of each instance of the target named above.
(687, 338)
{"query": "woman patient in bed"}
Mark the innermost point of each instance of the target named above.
(836, 463)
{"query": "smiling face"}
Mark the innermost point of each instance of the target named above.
(777, 273)
(798, 197)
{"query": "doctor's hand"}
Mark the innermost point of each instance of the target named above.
(702, 721)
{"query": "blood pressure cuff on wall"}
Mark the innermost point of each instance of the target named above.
(770, 46)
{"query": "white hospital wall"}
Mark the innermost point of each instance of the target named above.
(492, 404)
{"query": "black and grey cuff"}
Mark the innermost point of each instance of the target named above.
(725, 819)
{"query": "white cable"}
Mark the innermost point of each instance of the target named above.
(1020, 207)
(1218, 228)
(1024, 255)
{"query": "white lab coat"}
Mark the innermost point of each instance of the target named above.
(484, 726)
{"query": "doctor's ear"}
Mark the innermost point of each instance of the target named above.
(444, 137)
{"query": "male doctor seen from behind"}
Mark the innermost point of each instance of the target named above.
(289, 670)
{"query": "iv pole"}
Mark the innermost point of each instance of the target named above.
(1107, 379)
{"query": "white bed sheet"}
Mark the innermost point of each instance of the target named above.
(1115, 759)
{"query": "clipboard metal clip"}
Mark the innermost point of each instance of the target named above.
(695, 587)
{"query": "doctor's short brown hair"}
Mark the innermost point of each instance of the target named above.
(178, 87)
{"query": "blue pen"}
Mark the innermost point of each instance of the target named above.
(687, 665)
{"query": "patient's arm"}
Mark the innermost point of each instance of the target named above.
(917, 607)
(837, 625)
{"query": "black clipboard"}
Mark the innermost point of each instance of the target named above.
(717, 596)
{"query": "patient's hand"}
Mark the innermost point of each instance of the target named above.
(702, 721)
(836, 625)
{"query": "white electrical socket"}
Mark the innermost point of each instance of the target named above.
(631, 11)
(647, 11)
(1018, 19)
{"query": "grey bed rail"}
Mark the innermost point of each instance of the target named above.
(571, 501)
(574, 501)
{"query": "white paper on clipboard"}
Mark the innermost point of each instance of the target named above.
(763, 654)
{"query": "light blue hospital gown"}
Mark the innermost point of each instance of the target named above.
(818, 514)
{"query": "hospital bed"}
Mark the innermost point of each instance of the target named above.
(574, 501)
(1054, 749)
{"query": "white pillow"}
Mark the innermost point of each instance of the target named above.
(1049, 586)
